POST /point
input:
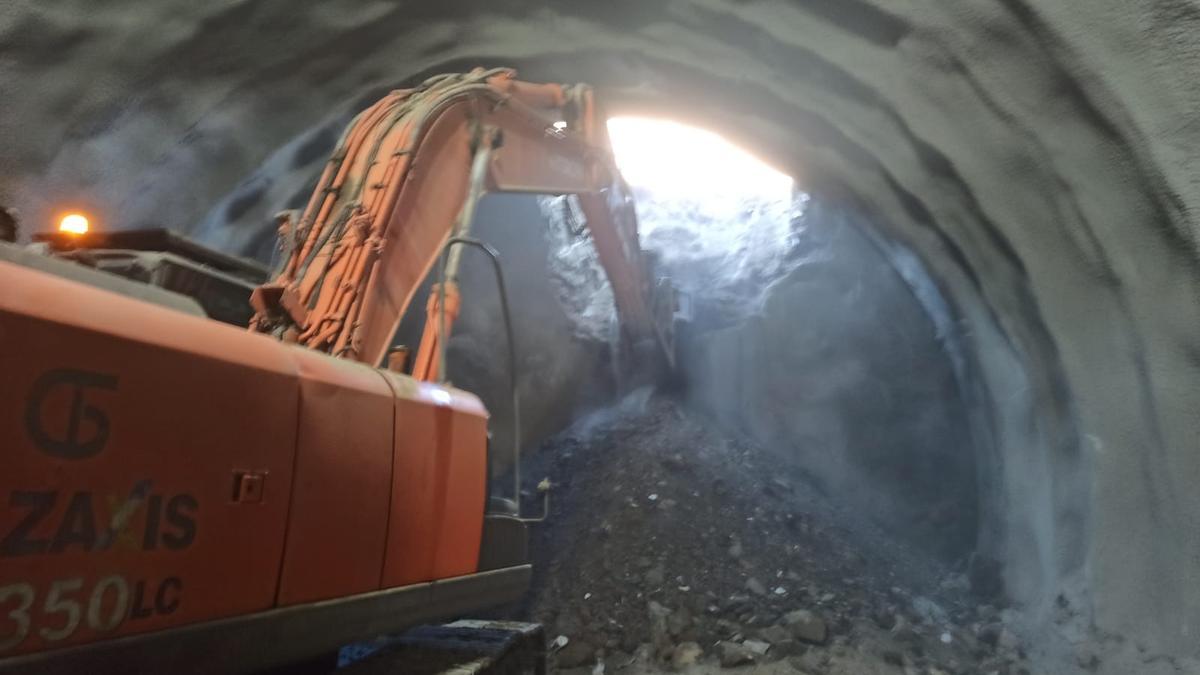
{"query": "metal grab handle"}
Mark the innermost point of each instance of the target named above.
(512, 348)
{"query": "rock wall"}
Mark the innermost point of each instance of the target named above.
(1040, 159)
(563, 361)
(844, 373)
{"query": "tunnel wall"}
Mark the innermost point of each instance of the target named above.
(1040, 158)
(844, 372)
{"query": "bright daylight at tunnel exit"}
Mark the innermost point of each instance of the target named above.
(785, 337)
(680, 159)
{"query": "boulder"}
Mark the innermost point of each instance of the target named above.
(806, 626)
(733, 654)
(686, 654)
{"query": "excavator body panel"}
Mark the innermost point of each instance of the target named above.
(338, 524)
(126, 426)
(164, 470)
(439, 484)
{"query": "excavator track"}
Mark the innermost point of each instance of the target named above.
(465, 647)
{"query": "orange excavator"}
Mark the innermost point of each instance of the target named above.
(185, 495)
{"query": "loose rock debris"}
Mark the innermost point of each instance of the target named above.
(675, 547)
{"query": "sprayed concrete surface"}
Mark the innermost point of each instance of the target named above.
(1039, 159)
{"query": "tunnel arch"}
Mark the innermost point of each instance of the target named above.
(1043, 169)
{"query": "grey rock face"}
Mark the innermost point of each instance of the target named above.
(847, 373)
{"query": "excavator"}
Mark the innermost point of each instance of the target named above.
(207, 467)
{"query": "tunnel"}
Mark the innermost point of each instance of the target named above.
(1020, 177)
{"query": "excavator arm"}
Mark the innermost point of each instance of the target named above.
(405, 178)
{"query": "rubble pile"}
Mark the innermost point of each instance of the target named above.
(674, 547)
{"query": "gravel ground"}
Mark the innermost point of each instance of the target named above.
(675, 547)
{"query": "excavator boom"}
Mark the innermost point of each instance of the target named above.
(401, 182)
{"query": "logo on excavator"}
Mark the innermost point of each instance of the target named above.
(73, 442)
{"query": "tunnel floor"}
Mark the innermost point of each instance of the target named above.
(675, 546)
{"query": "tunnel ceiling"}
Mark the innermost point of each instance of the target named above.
(1040, 157)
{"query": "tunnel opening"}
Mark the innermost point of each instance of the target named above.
(825, 451)
(810, 333)
(720, 220)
